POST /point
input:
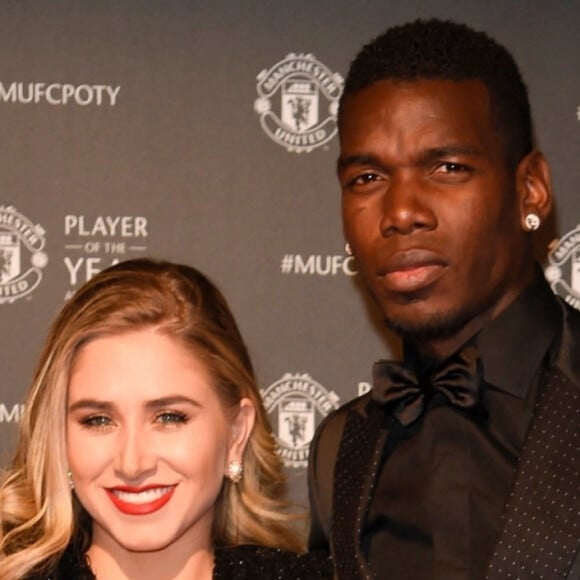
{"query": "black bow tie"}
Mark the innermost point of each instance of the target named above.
(458, 380)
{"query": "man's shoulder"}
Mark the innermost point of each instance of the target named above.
(568, 357)
(359, 404)
(571, 318)
(337, 418)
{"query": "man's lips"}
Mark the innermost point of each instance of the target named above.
(140, 500)
(411, 270)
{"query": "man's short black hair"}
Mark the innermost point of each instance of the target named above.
(438, 49)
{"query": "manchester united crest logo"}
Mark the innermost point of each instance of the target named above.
(296, 404)
(563, 270)
(21, 255)
(298, 102)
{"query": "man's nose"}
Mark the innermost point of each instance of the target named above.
(406, 207)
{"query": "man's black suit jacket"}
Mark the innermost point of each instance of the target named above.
(560, 520)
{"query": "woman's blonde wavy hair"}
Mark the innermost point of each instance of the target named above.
(39, 515)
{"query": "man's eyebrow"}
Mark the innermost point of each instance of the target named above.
(431, 153)
(360, 159)
(450, 151)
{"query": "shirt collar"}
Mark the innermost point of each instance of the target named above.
(513, 345)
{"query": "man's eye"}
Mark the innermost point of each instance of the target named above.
(453, 168)
(365, 178)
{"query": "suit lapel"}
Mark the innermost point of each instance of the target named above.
(355, 474)
(542, 517)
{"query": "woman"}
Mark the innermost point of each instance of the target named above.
(145, 450)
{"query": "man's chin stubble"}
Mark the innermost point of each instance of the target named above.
(440, 326)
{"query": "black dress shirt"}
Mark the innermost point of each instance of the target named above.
(445, 479)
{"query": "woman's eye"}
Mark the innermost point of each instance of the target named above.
(171, 417)
(98, 421)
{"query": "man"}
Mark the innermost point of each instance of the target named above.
(462, 463)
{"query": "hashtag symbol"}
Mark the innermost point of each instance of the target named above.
(287, 264)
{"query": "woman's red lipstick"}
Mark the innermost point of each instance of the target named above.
(140, 501)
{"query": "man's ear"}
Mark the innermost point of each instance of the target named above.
(242, 426)
(534, 187)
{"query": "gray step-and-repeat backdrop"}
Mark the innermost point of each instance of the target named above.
(205, 132)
